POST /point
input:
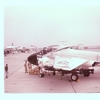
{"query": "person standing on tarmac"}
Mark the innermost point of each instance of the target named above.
(25, 65)
(29, 66)
(6, 70)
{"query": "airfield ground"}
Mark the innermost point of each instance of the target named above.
(21, 82)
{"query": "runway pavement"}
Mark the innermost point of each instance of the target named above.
(21, 82)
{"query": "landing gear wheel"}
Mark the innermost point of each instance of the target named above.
(41, 75)
(92, 72)
(74, 77)
(54, 73)
(86, 73)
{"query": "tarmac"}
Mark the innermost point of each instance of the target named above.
(20, 82)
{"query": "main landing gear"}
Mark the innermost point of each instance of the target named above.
(74, 77)
(74, 73)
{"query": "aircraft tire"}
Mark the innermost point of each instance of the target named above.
(74, 77)
(86, 73)
(54, 73)
(41, 75)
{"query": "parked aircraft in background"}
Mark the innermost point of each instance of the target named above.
(9, 49)
(67, 61)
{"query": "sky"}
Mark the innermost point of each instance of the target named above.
(43, 25)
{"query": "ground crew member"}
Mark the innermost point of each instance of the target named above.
(30, 67)
(6, 70)
(25, 65)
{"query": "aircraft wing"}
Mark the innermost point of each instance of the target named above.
(89, 55)
(70, 63)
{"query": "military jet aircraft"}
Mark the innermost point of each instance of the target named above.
(67, 61)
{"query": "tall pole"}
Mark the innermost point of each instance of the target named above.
(63, 42)
(12, 44)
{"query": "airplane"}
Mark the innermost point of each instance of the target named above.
(67, 61)
(9, 49)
